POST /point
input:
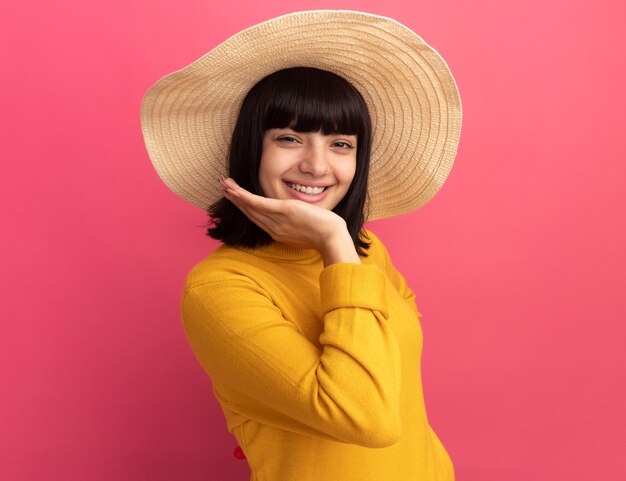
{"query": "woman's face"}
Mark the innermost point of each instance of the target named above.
(310, 166)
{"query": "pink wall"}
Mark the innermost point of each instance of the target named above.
(519, 264)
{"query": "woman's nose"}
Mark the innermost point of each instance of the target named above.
(314, 162)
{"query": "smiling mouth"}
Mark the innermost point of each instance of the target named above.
(306, 189)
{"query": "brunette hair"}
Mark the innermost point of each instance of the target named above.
(304, 99)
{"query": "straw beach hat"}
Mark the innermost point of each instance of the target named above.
(188, 116)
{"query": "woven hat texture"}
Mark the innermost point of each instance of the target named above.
(188, 116)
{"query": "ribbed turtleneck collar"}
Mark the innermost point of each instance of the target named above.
(285, 252)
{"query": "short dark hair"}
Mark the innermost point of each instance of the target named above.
(304, 99)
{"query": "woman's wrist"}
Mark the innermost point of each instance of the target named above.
(339, 248)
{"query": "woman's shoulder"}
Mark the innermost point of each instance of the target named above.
(377, 252)
(222, 264)
(379, 255)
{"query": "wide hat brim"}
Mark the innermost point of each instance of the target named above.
(188, 117)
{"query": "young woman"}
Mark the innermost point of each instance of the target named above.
(309, 334)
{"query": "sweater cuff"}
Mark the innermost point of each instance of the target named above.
(353, 285)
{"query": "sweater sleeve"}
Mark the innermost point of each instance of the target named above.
(348, 391)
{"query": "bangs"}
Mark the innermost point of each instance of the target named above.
(310, 100)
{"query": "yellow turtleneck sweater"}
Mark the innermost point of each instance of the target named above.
(317, 369)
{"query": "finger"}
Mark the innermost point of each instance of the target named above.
(258, 202)
(269, 214)
(229, 183)
(231, 189)
(254, 215)
(222, 181)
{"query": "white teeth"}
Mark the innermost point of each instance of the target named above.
(305, 189)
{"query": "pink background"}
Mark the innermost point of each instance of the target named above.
(518, 264)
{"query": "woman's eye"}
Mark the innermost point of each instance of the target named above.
(287, 139)
(342, 145)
